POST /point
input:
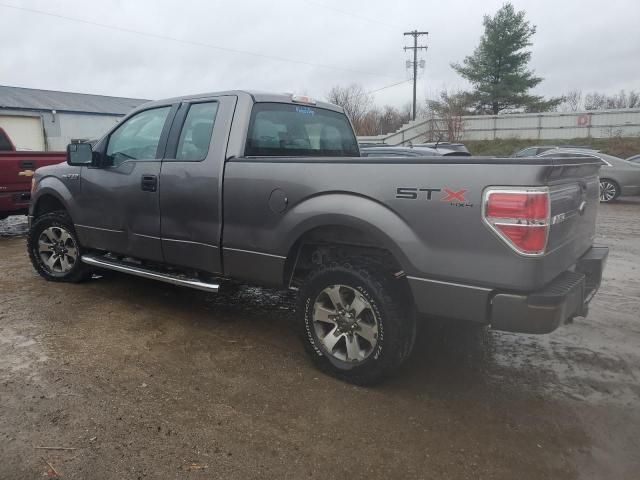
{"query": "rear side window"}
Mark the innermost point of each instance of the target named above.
(284, 130)
(195, 136)
(5, 144)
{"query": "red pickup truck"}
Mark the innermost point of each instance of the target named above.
(16, 170)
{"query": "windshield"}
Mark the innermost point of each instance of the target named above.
(284, 130)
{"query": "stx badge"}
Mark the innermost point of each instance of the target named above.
(455, 198)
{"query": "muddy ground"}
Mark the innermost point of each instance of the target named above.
(145, 380)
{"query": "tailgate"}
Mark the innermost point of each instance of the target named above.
(574, 192)
(17, 168)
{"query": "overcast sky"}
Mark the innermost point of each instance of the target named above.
(580, 44)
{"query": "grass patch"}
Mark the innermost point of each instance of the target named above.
(622, 147)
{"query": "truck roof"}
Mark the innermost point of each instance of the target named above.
(256, 96)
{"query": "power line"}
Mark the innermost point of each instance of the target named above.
(415, 34)
(354, 15)
(389, 86)
(188, 42)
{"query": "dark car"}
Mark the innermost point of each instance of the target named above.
(457, 147)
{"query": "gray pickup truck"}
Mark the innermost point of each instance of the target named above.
(271, 189)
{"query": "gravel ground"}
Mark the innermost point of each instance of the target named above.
(145, 380)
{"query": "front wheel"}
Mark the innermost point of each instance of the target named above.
(609, 190)
(54, 249)
(358, 323)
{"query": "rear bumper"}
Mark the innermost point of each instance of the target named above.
(14, 202)
(543, 311)
(540, 311)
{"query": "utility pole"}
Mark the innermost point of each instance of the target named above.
(415, 34)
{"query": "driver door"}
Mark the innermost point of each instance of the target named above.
(119, 209)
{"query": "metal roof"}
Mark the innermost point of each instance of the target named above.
(19, 98)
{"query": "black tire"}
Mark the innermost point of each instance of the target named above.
(59, 221)
(390, 303)
(609, 190)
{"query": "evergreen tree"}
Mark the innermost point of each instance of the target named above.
(498, 71)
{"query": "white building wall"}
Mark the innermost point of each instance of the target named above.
(72, 126)
(49, 131)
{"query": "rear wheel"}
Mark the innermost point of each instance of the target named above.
(609, 190)
(54, 249)
(358, 324)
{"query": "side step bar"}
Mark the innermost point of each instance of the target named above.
(109, 264)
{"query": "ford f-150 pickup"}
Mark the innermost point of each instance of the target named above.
(16, 170)
(271, 189)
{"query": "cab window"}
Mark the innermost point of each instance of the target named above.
(138, 137)
(195, 136)
(280, 129)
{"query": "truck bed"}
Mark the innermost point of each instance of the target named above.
(436, 238)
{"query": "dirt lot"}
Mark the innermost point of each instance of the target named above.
(144, 380)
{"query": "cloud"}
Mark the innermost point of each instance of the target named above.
(579, 44)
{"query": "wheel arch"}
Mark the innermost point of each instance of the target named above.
(352, 222)
(51, 195)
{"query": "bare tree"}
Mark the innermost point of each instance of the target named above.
(445, 115)
(355, 101)
(595, 101)
(571, 101)
(602, 101)
(369, 123)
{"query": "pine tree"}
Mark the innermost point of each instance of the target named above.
(498, 71)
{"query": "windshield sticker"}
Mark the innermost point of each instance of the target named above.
(306, 111)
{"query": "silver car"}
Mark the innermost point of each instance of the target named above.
(538, 150)
(618, 177)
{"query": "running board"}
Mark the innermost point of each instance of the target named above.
(95, 261)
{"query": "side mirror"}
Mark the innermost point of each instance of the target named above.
(79, 154)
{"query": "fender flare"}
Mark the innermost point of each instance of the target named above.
(56, 188)
(343, 209)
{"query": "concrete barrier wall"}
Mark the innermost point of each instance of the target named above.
(535, 126)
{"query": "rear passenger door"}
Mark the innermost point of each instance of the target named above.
(191, 183)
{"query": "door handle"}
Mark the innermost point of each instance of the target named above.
(27, 164)
(149, 183)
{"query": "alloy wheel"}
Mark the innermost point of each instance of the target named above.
(345, 324)
(608, 191)
(57, 250)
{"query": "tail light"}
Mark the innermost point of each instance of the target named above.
(520, 217)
